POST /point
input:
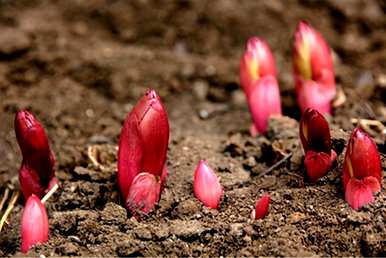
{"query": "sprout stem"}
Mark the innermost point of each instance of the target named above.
(50, 192)
(14, 198)
(5, 197)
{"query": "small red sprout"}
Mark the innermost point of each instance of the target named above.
(258, 79)
(207, 187)
(261, 208)
(264, 102)
(256, 63)
(142, 154)
(37, 171)
(316, 140)
(34, 224)
(313, 69)
(362, 173)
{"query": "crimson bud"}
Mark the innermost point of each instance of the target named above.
(261, 208)
(37, 171)
(362, 173)
(316, 140)
(142, 152)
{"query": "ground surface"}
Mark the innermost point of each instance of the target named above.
(81, 65)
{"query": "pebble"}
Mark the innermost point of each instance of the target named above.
(200, 89)
(143, 233)
(186, 229)
(296, 217)
(13, 41)
(236, 229)
(365, 84)
(238, 98)
(74, 239)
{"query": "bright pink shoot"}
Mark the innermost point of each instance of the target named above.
(34, 224)
(256, 63)
(264, 102)
(313, 69)
(207, 187)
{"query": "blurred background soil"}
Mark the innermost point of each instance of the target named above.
(80, 66)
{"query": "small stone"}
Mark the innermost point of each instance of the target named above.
(114, 214)
(249, 230)
(13, 41)
(187, 229)
(238, 98)
(207, 110)
(200, 89)
(358, 217)
(69, 249)
(365, 84)
(162, 232)
(250, 162)
(74, 239)
(187, 71)
(236, 229)
(296, 217)
(188, 207)
(99, 139)
(143, 233)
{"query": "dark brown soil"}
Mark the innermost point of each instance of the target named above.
(81, 65)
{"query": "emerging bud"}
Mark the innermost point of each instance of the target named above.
(362, 173)
(144, 193)
(37, 172)
(264, 102)
(313, 69)
(256, 62)
(142, 148)
(261, 208)
(207, 187)
(316, 140)
(34, 224)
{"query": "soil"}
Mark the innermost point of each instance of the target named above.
(80, 66)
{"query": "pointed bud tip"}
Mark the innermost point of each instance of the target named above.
(256, 62)
(30, 133)
(25, 119)
(152, 96)
(207, 187)
(303, 25)
(261, 208)
(313, 69)
(314, 132)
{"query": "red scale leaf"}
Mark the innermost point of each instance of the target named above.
(362, 172)
(261, 208)
(34, 224)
